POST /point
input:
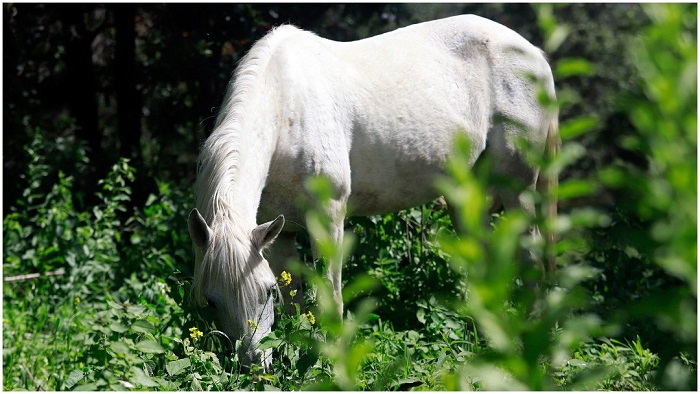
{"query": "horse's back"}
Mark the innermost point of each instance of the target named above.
(392, 104)
(443, 77)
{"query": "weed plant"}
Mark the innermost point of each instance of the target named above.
(427, 309)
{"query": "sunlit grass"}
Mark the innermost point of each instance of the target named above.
(427, 310)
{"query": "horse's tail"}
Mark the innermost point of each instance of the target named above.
(547, 186)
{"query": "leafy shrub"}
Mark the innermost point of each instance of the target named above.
(118, 318)
(401, 251)
(107, 314)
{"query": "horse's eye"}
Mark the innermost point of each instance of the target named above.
(211, 303)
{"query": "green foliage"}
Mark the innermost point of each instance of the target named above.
(401, 251)
(426, 309)
(89, 339)
(632, 367)
(664, 229)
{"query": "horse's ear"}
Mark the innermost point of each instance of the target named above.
(199, 230)
(264, 234)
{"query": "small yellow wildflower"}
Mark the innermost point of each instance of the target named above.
(195, 334)
(286, 279)
(253, 325)
(77, 300)
(311, 317)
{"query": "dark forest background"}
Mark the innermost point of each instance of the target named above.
(105, 241)
(144, 81)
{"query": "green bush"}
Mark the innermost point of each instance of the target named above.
(427, 309)
(104, 321)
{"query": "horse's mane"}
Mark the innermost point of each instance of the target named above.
(249, 69)
(218, 160)
(224, 262)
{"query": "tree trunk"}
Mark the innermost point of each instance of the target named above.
(81, 90)
(128, 98)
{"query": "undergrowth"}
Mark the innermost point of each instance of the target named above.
(426, 309)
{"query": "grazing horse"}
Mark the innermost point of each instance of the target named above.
(378, 117)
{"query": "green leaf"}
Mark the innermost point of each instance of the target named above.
(575, 188)
(118, 327)
(143, 326)
(75, 376)
(87, 387)
(556, 38)
(140, 378)
(149, 346)
(115, 305)
(578, 126)
(420, 315)
(270, 341)
(120, 347)
(360, 285)
(306, 361)
(126, 384)
(572, 66)
(178, 366)
(196, 385)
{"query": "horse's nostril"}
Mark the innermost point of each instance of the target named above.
(211, 303)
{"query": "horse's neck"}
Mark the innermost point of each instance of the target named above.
(236, 158)
(233, 169)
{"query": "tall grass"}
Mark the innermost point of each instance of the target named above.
(426, 309)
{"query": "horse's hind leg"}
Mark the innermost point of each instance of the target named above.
(508, 164)
(494, 204)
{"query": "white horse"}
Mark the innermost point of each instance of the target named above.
(378, 118)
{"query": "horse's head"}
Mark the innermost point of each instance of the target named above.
(232, 276)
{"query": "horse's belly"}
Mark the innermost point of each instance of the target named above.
(366, 201)
(397, 156)
(385, 184)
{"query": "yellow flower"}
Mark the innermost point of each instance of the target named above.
(253, 325)
(311, 317)
(77, 300)
(286, 278)
(195, 334)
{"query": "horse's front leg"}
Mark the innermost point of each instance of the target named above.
(334, 272)
(279, 255)
(335, 211)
